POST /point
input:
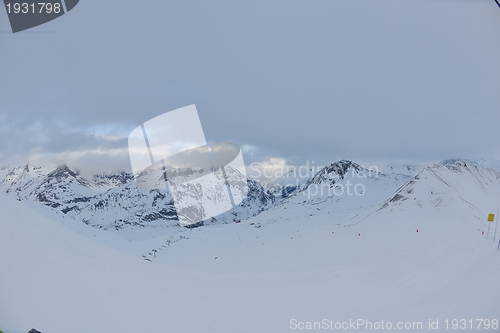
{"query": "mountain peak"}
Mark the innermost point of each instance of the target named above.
(62, 171)
(339, 170)
(342, 167)
(457, 161)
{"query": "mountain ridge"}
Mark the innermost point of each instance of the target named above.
(114, 201)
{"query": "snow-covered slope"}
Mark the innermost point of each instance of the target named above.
(492, 163)
(291, 182)
(400, 168)
(115, 202)
(297, 179)
(109, 181)
(473, 189)
(342, 187)
(280, 268)
(17, 181)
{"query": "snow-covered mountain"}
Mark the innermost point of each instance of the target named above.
(108, 181)
(491, 163)
(465, 185)
(407, 251)
(292, 181)
(114, 201)
(401, 168)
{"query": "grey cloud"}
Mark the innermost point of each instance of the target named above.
(319, 80)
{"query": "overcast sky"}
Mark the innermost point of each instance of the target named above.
(289, 81)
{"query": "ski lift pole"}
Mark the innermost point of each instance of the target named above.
(496, 226)
(491, 219)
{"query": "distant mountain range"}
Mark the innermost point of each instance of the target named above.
(112, 201)
(115, 202)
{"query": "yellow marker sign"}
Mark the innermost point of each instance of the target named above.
(491, 217)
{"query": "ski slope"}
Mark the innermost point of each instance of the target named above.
(290, 264)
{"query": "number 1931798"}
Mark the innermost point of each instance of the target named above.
(33, 8)
(479, 324)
